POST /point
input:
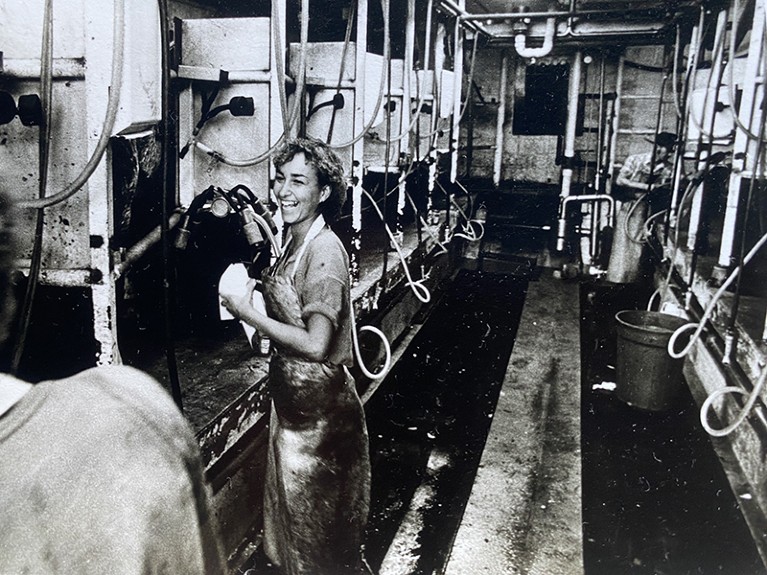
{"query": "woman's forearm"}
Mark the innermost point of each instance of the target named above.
(311, 342)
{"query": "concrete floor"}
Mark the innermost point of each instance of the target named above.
(524, 512)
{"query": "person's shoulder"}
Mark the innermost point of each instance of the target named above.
(328, 244)
(122, 385)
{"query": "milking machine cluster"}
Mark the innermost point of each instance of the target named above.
(233, 223)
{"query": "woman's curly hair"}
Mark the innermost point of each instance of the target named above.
(330, 171)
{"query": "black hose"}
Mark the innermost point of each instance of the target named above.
(35, 266)
(168, 205)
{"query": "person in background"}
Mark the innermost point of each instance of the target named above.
(638, 179)
(317, 489)
(99, 472)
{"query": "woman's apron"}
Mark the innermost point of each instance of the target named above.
(626, 261)
(317, 491)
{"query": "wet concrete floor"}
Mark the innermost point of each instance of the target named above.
(429, 420)
(656, 499)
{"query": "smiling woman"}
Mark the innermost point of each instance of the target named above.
(318, 472)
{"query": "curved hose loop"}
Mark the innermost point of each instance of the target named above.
(712, 304)
(358, 354)
(381, 87)
(742, 414)
(468, 229)
(292, 114)
(658, 292)
(113, 104)
(469, 233)
(417, 286)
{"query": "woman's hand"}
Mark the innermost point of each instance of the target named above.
(240, 305)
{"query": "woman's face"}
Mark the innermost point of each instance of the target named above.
(298, 191)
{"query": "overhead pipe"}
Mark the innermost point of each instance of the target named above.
(649, 12)
(520, 42)
(501, 119)
(462, 16)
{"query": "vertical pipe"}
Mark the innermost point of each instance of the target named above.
(573, 92)
(707, 122)
(455, 133)
(439, 60)
(358, 149)
(616, 122)
(406, 107)
(501, 119)
(750, 116)
(600, 127)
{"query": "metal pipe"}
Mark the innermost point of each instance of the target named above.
(501, 119)
(141, 247)
(358, 146)
(751, 115)
(600, 126)
(649, 12)
(708, 112)
(562, 221)
(455, 133)
(520, 42)
(615, 123)
(460, 13)
(573, 92)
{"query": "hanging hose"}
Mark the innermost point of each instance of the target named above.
(384, 79)
(358, 354)
(292, 114)
(169, 285)
(418, 288)
(421, 92)
(468, 228)
(109, 120)
(718, 52)
(742, 414)
(46, 101)
(344, 51)
(731, 84)
(710, 308)
(424, 225)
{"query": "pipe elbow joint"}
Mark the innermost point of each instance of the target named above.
(520, 42)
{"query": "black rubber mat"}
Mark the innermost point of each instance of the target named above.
(429, 420)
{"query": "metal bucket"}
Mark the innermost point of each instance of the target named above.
(647, 376)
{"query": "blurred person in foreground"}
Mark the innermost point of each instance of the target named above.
(99, 472)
